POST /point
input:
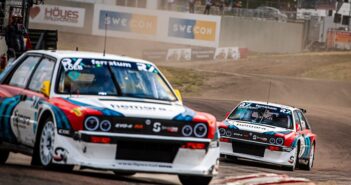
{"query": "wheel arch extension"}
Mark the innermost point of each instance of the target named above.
(44, 114)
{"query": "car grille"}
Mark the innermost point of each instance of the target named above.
(248, 148)
(146, 151)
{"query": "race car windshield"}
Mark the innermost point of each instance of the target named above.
(263, 114)
(112, 78)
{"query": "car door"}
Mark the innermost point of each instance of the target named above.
(12, 89)
(300, 136)
(306, 132)
(27, 111)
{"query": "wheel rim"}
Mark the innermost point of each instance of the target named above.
(310, 163)
(47, 143)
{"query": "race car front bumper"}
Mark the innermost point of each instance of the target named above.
(122, 153)
(282, 157)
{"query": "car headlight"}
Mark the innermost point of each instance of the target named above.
(279, 141)
(200, 130)
(187, 130)
(91, 123)
(272, 140)
(222, 131)
(105, 125)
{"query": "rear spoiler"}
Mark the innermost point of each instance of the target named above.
(303, 110)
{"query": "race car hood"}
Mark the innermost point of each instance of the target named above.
(125, 108)
(257, 128)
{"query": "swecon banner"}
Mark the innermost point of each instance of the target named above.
(164, 26)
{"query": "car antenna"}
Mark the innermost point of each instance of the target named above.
(269, 91)
(269, 94)
(105, 35)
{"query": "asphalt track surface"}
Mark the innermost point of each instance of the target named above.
(332, 164)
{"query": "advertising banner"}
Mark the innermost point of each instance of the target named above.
(192, 29)
(155, 55)
(339, 39)
(163, 26)
(202, 53)
(57, 15)
(179, 54)
(228, 53)
(196, 54)
(127, 22)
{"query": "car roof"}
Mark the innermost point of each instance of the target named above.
(271, 104)
(85, 54)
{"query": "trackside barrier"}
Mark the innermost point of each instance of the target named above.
(196, 54)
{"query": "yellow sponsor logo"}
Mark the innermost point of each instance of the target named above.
(205, 30)
(144, 24)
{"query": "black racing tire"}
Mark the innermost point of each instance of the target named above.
(4, 155)
(44, 148)
(308, 166)
(231, 158)
(193, 179)
(124, 173)
(288, 168)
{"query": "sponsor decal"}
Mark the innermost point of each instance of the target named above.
(138, 126)
(64, 131)
(20, 120)
(128, 22)
(237, 134)
(192, 29)
(57, 15)
(124, 125)
(140, 164)
(261, 139)
(110, 63)
(147, 67)
(250, 126)
(72, 64)
(60, 154)
(137, 107)
(158, 127)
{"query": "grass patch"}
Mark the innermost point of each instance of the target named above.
(339, 71)
(188, 81)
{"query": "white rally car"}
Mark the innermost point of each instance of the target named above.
(268, 133)
(116, 113)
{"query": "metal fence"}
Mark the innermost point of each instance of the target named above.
(249, 13)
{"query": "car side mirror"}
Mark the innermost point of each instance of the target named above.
(227, 114)
(45, 88)
(178, 94)
(297, 126)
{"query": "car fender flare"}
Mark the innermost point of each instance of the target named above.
(43, 111)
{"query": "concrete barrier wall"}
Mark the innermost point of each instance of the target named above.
(261, 35)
